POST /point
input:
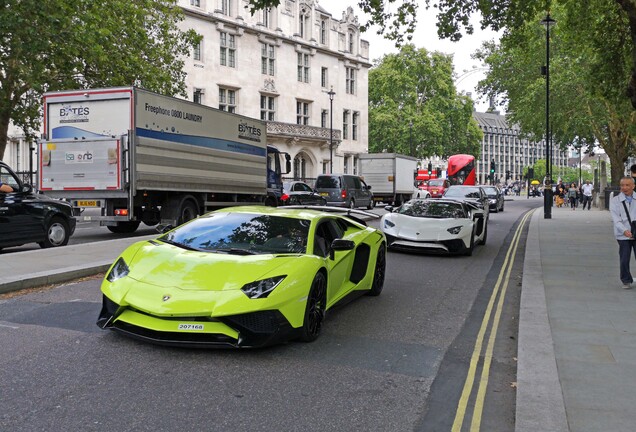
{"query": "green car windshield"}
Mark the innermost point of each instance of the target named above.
(241, 234)
(432, 209)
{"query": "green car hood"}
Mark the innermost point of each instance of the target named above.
(170, 266)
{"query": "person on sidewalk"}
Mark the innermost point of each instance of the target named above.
(572, 193)
(587, 194)
(623, 210)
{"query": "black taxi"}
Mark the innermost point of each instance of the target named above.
(27, 217)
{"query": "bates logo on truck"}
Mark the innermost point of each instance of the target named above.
(79, 157)
(71, 114)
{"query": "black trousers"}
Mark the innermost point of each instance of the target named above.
(587, 200)
(625, 248)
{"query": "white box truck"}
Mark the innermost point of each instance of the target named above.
(143, 157)
(390, 175)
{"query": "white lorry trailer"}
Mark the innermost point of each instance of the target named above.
(390, 175)
(143, 157)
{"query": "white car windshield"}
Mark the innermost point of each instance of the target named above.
(432, 209)
(241, 234)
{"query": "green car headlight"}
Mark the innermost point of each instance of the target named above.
(261, 288)
(454, 230)
(119, 270)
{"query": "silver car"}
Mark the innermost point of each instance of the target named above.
(344, 190)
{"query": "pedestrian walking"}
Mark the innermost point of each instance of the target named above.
(586, 190)
(623, 211)
(572, 192)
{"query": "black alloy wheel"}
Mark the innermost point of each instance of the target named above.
(315, 310)
(379, 273)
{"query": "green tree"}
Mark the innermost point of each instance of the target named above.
(60, 44)
(586, 72)
(414, 107)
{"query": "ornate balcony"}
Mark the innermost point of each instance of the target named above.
(303, 132)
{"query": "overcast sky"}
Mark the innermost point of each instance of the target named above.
(426, 37)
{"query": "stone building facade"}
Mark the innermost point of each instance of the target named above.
(280, 65)
(510, 151)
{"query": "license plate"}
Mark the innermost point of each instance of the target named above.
(87, 204)
(434, 191)
(324, 193)
(190, 327)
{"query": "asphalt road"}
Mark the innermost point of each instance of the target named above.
(397, 362)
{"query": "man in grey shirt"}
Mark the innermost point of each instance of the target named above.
(623, 210)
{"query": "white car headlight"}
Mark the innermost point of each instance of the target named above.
(119, 270)
(454, 230)
(261, 288)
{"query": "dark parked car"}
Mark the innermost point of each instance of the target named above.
(495, 198)
(297, 192)
(26, 217)
(345, 190)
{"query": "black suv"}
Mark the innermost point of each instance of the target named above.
(29, 218)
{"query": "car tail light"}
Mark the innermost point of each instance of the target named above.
(343, 193)
(285, 197)
(121, 212)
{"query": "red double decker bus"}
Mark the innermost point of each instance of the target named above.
(461, 169)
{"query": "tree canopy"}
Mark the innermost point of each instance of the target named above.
(60, 44)
(414, 107)
(587, 70)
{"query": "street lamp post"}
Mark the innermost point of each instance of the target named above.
(411, 137)
(331, 94)
(580, 161)
(547, 196)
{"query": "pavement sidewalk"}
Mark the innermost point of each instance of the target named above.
(577, 329)
(48, 266)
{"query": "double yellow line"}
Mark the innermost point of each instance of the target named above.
(501, 285)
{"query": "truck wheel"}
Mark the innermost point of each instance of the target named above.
(124, 227)
(270, 201)
(187, 212)
(57, 233)
(352, 203)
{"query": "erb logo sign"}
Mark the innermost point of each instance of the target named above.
(79, 157)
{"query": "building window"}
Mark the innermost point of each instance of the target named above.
(300, 168)
(302, 113)
(354, 125)
(323, 32)
(267, 17)
(196, 3)
(227, 100)
(323, 118)
(267, 59)
(355, 165)
(303, 24)
(226, 7)
(323, 77)
(303, 67)
(268, 108)
(196, 54)
(345, 124)
(351, 80)
(228, 50)
(197, 96)
(346, 165)
(351, 42)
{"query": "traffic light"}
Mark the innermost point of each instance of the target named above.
(530, 173)
(430, 167)
(439, 172)
(507, 174)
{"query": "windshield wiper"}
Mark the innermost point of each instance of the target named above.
(181, 245)
(236, 251)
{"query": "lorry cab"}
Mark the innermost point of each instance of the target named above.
(276, 168)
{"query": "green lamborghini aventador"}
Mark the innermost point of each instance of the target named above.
(243, 277)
